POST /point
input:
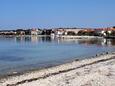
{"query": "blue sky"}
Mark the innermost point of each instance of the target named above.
(56, 13)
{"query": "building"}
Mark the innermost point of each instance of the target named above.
(34, 31)
(7, 32)
(67, 31)
(59, 32)
(105, 31)
(87, 32)
(72, 31)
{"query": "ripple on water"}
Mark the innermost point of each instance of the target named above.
(11, 58)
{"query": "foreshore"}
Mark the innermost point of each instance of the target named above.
(81, 37)
(62, 36)
(98, 71)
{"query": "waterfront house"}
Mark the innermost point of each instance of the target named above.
(110, 32)
(67, 31)
(34, 31)
(7, 32)
(72, 31)
(86, 32)
(59, 32)
(105, 32)
(99, 31)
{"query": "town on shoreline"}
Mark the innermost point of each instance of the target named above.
(63, 32)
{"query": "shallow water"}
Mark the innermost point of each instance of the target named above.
(26, 53)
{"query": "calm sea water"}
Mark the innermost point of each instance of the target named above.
(26, 53)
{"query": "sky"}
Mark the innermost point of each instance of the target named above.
(15, 14)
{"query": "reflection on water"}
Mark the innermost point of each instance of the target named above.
(98, 42)
(25, 52)
(36, 39)
(33, 39)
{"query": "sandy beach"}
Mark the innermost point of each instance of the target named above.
(98, 71)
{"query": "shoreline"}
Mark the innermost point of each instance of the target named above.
(45, 73)
(16, 73)
(81, 37)
(63, 36)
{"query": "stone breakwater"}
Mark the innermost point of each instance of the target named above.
(99, 71)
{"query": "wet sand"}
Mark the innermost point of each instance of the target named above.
(99, 71)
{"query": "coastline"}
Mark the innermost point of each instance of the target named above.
(62, 72)
(63, 36)
(81, 37)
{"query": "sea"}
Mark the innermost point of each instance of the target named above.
(24, 53)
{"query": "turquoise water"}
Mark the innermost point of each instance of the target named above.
(26, 53)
